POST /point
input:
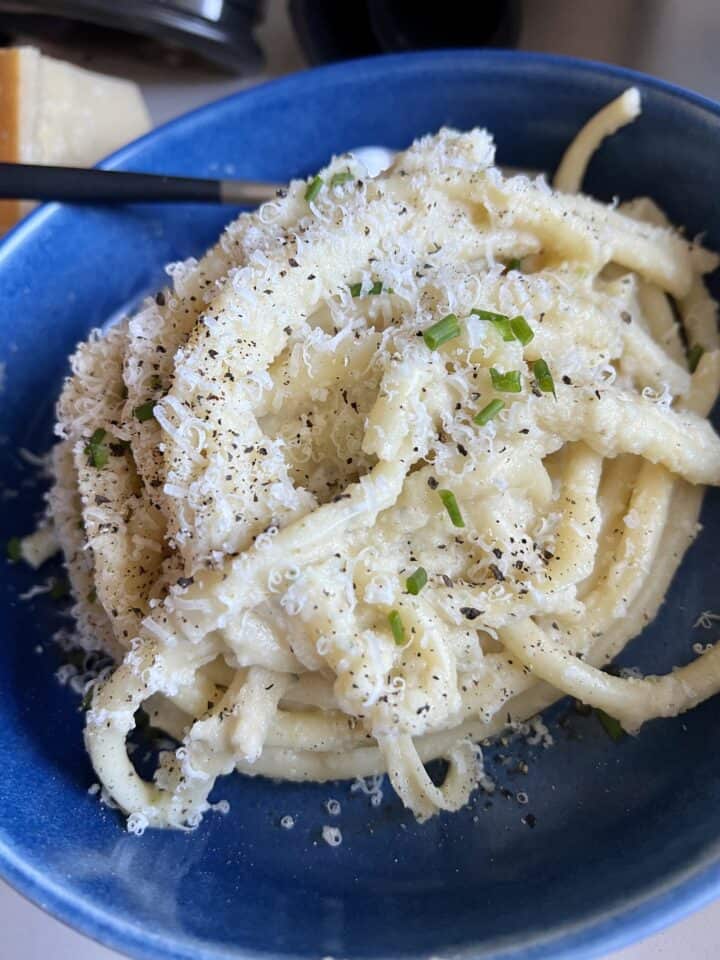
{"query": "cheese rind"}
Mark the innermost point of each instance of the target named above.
(56, 113)
(10, 210)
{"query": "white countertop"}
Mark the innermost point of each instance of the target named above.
(673, 40)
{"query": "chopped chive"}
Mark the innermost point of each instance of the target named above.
(514, 264)
(451, 505)
(92, 595)
(488, 412)
(416, 581)
(86, 701)
(489, 315)
(397, 627)
(96, 450)
(59, 589)
(314, 188)
(516, 328)
(506, 382)
(544, 377)
(504, 329)
(611, 726)
(693, 358)
(339, 178)
(442, 331)
(500, 321)
(144, 411)
(155, 381)
(13, 550)
(521, 330)
(375, 289)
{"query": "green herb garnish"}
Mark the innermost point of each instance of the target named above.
(611, 726)
(500, 321)
(96, 450)
(489, 412)
(514, 264)
(155, 381)
(86, 701)
(59, 589)
(439, 333)
(543, 377)
(397, 627)
(375, 289)
(451, 505)
(521, 330)
(13, 550)
(92, 595)
(339, 178)
(314, 188)
(506, 382)
(416, 581)
(144, 411)
(694, 356)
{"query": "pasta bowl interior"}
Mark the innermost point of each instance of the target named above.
(400, 463)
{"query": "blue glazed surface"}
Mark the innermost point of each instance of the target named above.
(627, 836)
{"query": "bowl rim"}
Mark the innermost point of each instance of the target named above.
(661, 904)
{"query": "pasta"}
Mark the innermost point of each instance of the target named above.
(393, 463)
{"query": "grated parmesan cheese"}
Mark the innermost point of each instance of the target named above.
(255, 465)
(332, 836)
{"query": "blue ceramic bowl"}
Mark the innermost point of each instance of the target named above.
(626, 836)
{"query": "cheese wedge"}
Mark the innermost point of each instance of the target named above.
(54, 112)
